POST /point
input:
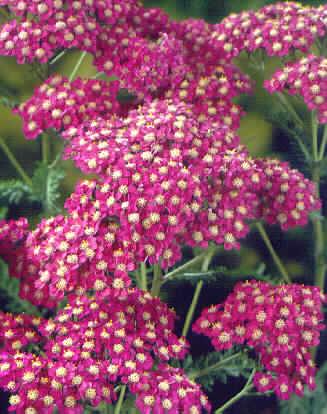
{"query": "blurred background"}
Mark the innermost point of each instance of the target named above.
(258, 132)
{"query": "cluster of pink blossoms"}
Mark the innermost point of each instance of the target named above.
(60, 104)
(280, 323)
(88, 347)
(168, 390)
(45, 27)
(277, 29)
(166, 180)
(306, 78)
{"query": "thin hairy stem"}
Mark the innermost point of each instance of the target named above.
(120, 400)
(205, 265)
(143, 277)
(317, 223)
(77, 66)
(238, 396)
(323, 144)
(169, 276)
(156, 283)
(215, 366)
(273, 253)
(14, 162)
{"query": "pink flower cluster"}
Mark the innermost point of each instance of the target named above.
(59, 104)
(88, 347)
(280, 323)
(13, 234)
(168, 390)
(166, 180)
(18, 331)
(29, 40)
(278, 29)
(57, 25)
(306, 77)
(288, 196)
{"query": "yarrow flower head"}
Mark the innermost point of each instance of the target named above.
(59, 104)
(169, 390)
(30, 40)
(88, 347)
(288, 196)
(280, 323)
(278, 29)
(306, 78)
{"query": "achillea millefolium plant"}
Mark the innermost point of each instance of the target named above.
(157, 138)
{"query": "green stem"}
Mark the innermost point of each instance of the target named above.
(314, 130)
(185, 266)
(45, 148)
(57, 57)
(143, 277)
(14, 162)
(120, 400)
(323, 144)
(214, 367)
(273, 253)
(318, 231)
(205, 265)
(192, 307)
(156, 283)
(290, 108)
(77, 66)
(238, 396)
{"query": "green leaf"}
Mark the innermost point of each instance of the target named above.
(3, 212)
(201, 368)
(8, 97)
(14, 192)
(46, 186)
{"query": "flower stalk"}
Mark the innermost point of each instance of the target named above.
(77, 66)
(120, 400)
(205, 266)
(156, 283)
(272, 251)
(143, 277)
(14, 162)
(317, 223)
(214, 367)
(169, 276)
(247, 387)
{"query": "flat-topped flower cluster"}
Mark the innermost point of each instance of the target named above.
(280, 323)
(170, 171)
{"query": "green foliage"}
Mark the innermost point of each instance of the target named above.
(14, 192)
(45, 189)
(313, 402)
(9, 290)
(8, 97)
(218, 366)
(46, 182)
(259, 273)
(195, 276)
(128, 407)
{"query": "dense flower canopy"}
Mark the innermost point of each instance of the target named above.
(88, 347)
(167, 171)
